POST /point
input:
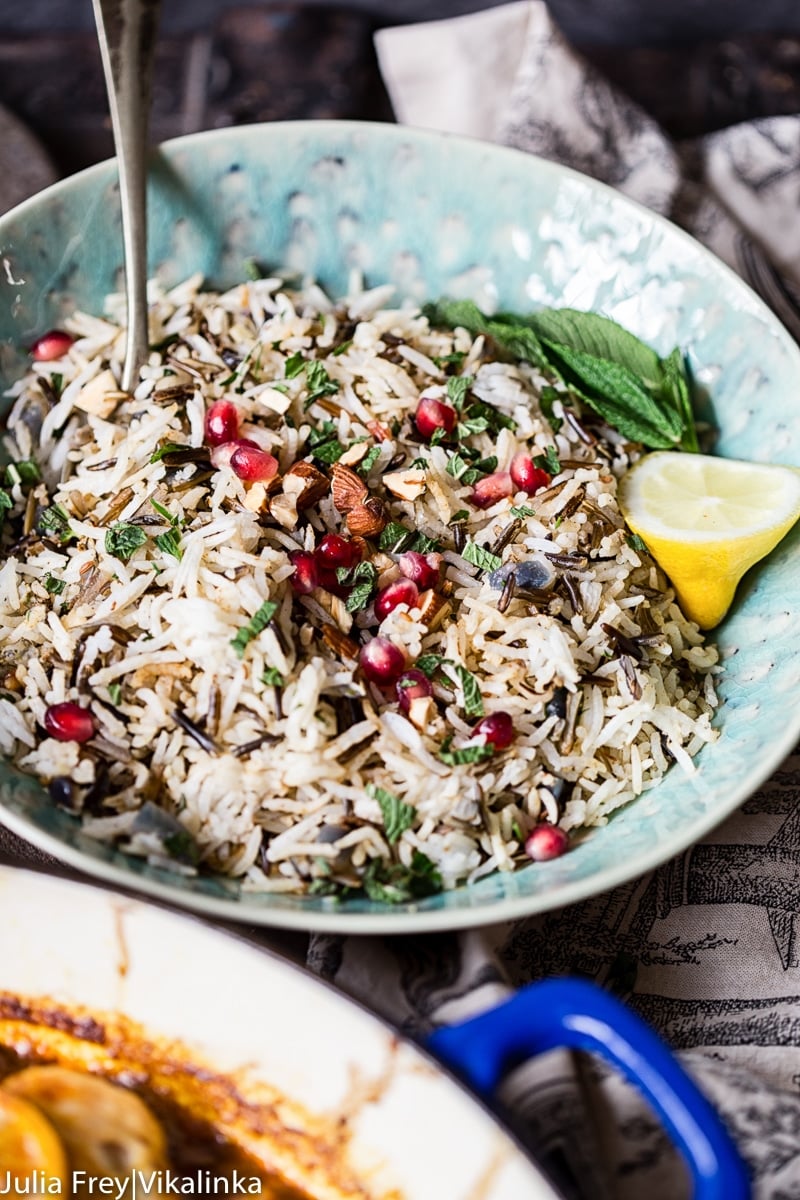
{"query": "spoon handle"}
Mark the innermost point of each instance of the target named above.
(127, 32)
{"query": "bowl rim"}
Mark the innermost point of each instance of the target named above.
(255, 906)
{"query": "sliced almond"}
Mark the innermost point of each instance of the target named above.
(256, 498)
(349, 489)
(315, 483)
(100, 396)
(341, 645)
(433, 608)
(408, 485)
(354, 454)
(335, 608)
(420, 711)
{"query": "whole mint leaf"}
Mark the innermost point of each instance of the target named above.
(620, 398)
(599, 336)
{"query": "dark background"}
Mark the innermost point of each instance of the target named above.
(696, 65)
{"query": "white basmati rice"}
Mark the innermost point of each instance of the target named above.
(283, 765)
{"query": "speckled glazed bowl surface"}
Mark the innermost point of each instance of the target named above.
(439, 215)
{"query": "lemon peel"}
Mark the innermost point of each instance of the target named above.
(707, 520)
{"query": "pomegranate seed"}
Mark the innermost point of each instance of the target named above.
(251, 463)
(525, 476)
(69, 722)
(305, 577)
(221, 455)
(401, 592)
(334, 551)
(421, 569)
(546, 841)
(412, 685)
(491, 488)
(497, 728)
(222, 423)
(329, 581)
(381, 661)
(432, 414)
(53, 344)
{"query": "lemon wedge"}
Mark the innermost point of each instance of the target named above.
(707, 520)
(30, 1149)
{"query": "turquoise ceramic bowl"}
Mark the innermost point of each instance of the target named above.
(439, 215)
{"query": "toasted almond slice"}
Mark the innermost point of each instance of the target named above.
(100, 396)
(315, 483)
(256, 498)
(354, 454)
(420, 711)
(434, 609)
(339, 643)
(408, 485)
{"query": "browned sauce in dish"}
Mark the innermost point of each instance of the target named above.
(169, 1137)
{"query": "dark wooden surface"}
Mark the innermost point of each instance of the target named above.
(281, 61)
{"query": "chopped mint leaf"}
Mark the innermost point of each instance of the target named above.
(456, 465)
(424, 544)
(6, 504)
(54, 586)
(175, 522)
(324, 433)
(55, 522)
(362, 579)
(294, 365)
(369, 460)
(433, 664)
(272, 677)
(457, 388)
(459, 517)
(319, 382)
(252, 269)
(167, 448)
(170, 543)
(342, 348)
(393, 883)
(468, 754)
(473, 703)
(328, 452)
(395, 538)
(257, 623)
(445, 360)
(115, 692)
(25, 472)
(547, 398)
(549, 461)
(522, 510)
(636, 543)
(397, 816)
(479, 557)
(124, 540)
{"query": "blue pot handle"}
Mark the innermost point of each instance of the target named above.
(580, 1015)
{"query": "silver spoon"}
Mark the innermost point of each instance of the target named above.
(126, 30)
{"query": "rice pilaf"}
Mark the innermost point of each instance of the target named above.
(232, 725)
